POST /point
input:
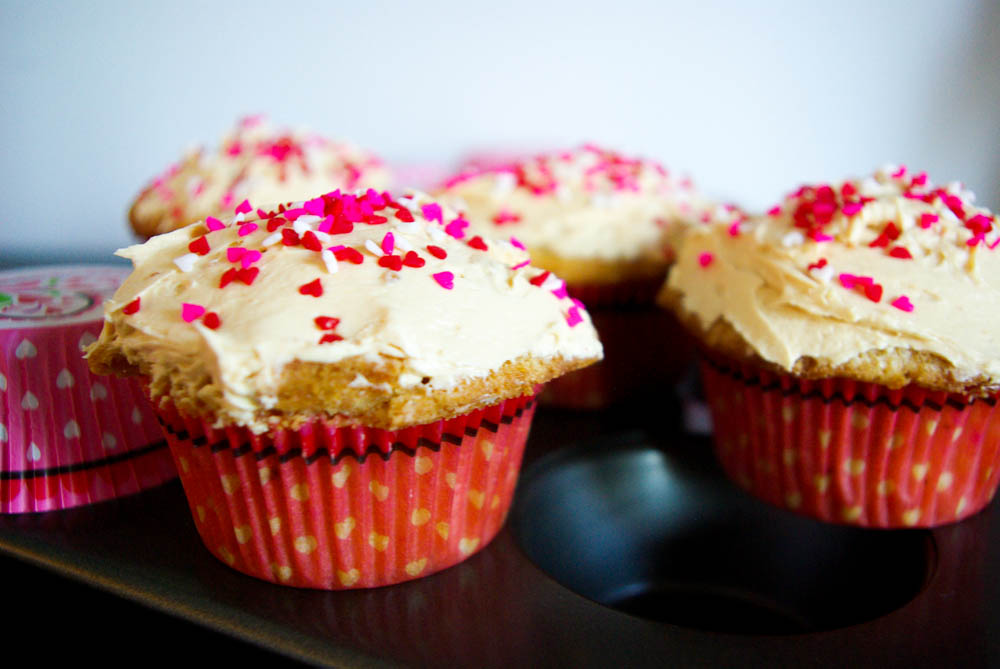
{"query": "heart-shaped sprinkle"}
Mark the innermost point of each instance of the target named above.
(191, 312)
(251, 256)
(214, 224)
(314, 288)
(131, 307)
(71, 430)
(25, 350)
(445, 279)
(65, 379)
(234, 253)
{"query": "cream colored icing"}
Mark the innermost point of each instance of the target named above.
(758, 277)
(589, 203)
(492, 313)
(259, 163)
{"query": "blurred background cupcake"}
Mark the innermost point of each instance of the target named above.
(852, 363)
(607, 225)
(346, 388)
(255, 162)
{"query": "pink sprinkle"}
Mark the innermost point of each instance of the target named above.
(250, 258)
(244, 207)
(247, 228)
(326, 224)
(852, 208)
(573, 317)
(920, 179)
(445, 279)
(560, 292)
(234, 253)
(774, 211)
(848, 281)
(388, 243)
(902, 303)
(191, 312)
(338, 247)
(457, 228)
(993, 245)
(521, 264)
(926, 220)
(818, 236)
(214, 224)
(432, 212)
(315, 206)
(900, 173)
(227, 199)
(577, 302)
(734, 229)
(516, 243)
(705, 259)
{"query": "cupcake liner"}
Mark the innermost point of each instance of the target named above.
(67, 437)
(854, 453)
(350, 507)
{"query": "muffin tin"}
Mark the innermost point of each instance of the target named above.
(626, 545)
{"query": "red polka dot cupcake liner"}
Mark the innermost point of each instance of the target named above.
(67, 437)
(350, 507)
(854, 453)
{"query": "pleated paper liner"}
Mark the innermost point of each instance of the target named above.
(350, 507)
(67, 437)
(854, 453)
(645, 348)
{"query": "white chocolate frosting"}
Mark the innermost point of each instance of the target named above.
(585, 204)
(291, 290)
(259, 163)
(836, 271)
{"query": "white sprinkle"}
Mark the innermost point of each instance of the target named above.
(552, 282)
(359, 382)
(322, 236)
(436, 233)
(240, 217)
(186, 262)
(308, 219)
(824, 273)
(329, 260)
(408, 228)
(403, 243)
(503, 184)
(793, 238)
(273, 239)
(301, 227)
(374, 248)
(954, 187)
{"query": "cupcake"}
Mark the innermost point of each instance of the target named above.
(255, 163)
(67, 437)
(607, 225)
(346, 388)
(850, 364)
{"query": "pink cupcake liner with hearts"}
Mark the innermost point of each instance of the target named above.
(854, 453)
(350, 507)
(67, 437)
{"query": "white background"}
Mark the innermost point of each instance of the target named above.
(749, 98)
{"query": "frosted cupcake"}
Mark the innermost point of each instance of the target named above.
(346, 388)
(607, 224)
(852, 366)
(255, 162)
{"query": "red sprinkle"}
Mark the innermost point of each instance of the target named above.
(819, 264)
(392, 262)
(311, 241)
(445, 279)
(927, 220)
(411, 259)
(477, 243)
(330, 337)
(248, 274)
(900, 252)
(314, 288)
(211, 320)
(506, 216)
(349, 254)
(289, 237)
(890, 233)
(404, 215)
(437, 251)
(131, 307)
(539, 280)
(873, 292)
(275, 223)
(705, 259)
(902, 303)
(326, 322)
(227, 277)
(199, 246)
